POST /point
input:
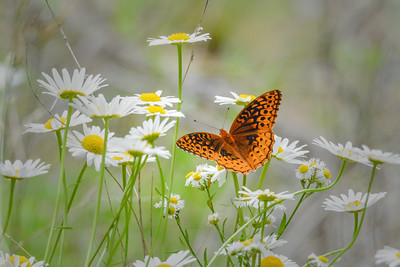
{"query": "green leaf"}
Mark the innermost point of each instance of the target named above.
(282, 227)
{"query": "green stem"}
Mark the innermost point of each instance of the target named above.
(10, 204)
(264, 173)
(357, 228)
(186, 238)
(237, 189)
(101, 180)
(60, 183)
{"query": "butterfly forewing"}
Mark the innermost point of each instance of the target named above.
(202, 144)
(259, 115)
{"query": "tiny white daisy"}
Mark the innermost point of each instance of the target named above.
(155, 99)
(271, 259)
(90, 145)
(213, 219)
(234, 249)
(98, 107)
(57, 123)
(377, 156)
(389, 256)
(284, 151)
(343, 152)
(240, 100)
(314, 170)
(151, 130)
(19, 170)
(67, 86)
(14, 260)
(318, 261)
(138, 148)
(175, 205)
(257, 198)
(271, 242)
(205, 175)
(180, 38)
(178, 259)
(352, 202)
(159, 111)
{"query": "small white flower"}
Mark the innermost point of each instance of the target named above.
(180, 38)
(240, 100)
(389, 256)
(234, 249)
(57, 123)
(19, 170)
(343, 152)
(176, 260)
(257, 198)
(66, 87)
(98, 107)
(271, 259)
(158, 111)
(376, 156)
(126, 158)
(213, 219)
(204, 175)
(318, 261)
(314, 170)
(155, 99)
(7, 260)
(175, 205)
(151, 130)
(351, 203)
(89, 145)
(138, 148)
(271, 242)
(284, 151)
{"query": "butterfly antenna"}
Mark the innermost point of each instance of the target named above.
(226, 115)
(208, 125)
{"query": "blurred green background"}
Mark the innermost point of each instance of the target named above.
(336, 62)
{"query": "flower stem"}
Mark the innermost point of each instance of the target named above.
(264, 174)
(10, 204)
(60, 183)
(101, 180)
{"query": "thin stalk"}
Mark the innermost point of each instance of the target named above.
(101, 180)
(10, 204)
(178, 222)
(240, 211)
(60, 183)
(264, 173)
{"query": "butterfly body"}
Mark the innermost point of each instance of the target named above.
(247, 145)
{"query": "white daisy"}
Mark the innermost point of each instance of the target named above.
(66, 87)
(205, 175)
(314, 170)
(271, 259)
(240, 100)
(351, 203)
(98, 107)
(19, 170)
(343, 152)
(318, 261)
(284, 151)
(213, 219)
(57, 123)
(175, 205)
(151, 130)
(377, 156)
(90, 145)
(180, 38)
(138, 148)
(196, 179)
(177, 260)
(159, 111)
(155, 99)
(8, 260)
(389, 256)
(271, 242)
(126, 158)
(257, 198)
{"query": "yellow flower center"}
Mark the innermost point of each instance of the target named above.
(355, 203)
(151, 137)
(93, 143)
(197, 176)
(155, 109)
(150, 97)
(271, 261)
(173, 200)
(22, 260)
(67, 94)
(219, 168)
(266, 197)
(164, 265)
(303, 168)
(178, 37)
(189, 174)
(280, 150)
(323, 259)
(47, 125)
(244, 103)
(243, 196)
(398, 255)
(246, 243)
(171, 211)
(136, 153)
(327, 174)
(313, 163)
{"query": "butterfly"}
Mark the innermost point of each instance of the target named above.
(247, 145)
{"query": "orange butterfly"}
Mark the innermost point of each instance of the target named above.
(248, 145)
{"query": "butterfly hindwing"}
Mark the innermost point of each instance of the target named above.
(201, 144)
(259, 115)
(232, 160)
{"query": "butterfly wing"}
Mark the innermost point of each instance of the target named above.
(202, 144)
